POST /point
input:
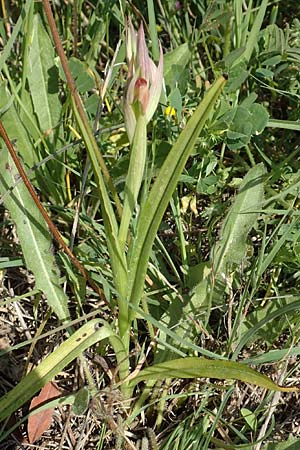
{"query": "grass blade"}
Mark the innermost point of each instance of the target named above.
(253, 35)
(5, 53)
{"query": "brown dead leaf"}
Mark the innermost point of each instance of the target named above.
(40, 422)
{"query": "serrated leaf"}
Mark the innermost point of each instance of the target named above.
(40, 422)
(193, 367)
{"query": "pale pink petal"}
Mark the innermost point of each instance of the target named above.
(129, 115)
(142, 54)
(152, 70)
(155, 88)
(129, 91)
(131, 42)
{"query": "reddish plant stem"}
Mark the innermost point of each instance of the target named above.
(53, 229)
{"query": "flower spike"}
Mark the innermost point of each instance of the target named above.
(144, 82)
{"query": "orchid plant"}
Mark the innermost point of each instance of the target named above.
(130, 230)
(142, 93)
(129, 249)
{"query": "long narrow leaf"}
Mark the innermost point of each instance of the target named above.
(5, 53)
(34, 237)
(194, 367)
(90, 333)
(253, 35)
(42, 78)
(117, 256)
(162, 190)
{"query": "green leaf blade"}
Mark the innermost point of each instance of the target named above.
(162, 190)
(43, 78)
(193, 367)
(34, 237)
(87, 335)
(240, 219)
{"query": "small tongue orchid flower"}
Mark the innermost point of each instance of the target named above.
(142, 93)
(144, 82)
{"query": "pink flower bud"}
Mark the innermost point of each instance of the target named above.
(144, 81)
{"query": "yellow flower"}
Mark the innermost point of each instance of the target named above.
(170, 111)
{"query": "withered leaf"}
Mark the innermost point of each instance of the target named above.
(40, 422)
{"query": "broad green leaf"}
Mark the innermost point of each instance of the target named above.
(178, 58)
(230, 59)
(240, 129)
(43, 77)
(81, 401)
(14, 127)
(34, 236)
(81, 74)
(32, 230)
(241, 218)
(236, 77)
(21, 126)
(259, 118)
(83, 78)
(271, 330)
(153, 209)
(184, 314)
(193, 367)
(175, 101)
(243, 122)
(264, 73)
(249, 417)
(90, 333)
